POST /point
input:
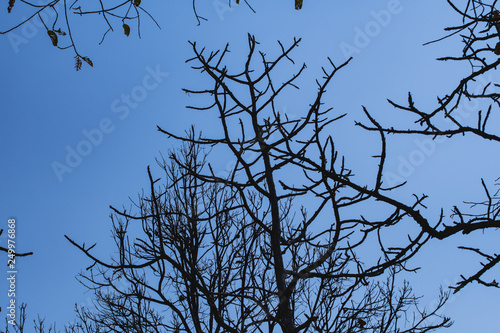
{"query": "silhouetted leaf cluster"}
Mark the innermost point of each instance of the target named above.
(11, 5)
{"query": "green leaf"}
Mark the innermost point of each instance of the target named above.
(126, 29)
(53, 37)
(137, 3)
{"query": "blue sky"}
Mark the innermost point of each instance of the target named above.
(49, 111)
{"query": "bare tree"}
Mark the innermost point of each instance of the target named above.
(82, 324)
(471, 109)
(285, 241)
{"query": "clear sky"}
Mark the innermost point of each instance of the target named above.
(50, 113)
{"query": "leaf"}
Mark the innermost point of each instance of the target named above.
(88, 61)
(53, 37)
(126, 29)
(60, 32)
(298, 4)
(497, 49)
(137, 3)
(11, 5)
(78, 63)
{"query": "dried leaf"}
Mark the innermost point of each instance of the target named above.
(88, 61)
(11, 5)
(126, 29)
(78, 63)
(298, 4)
(137, 3)
(60, 32)
(497, 49)
(53, 37)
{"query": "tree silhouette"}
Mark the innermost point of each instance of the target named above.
(288, 238)
(285, 241)
(468, 109)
